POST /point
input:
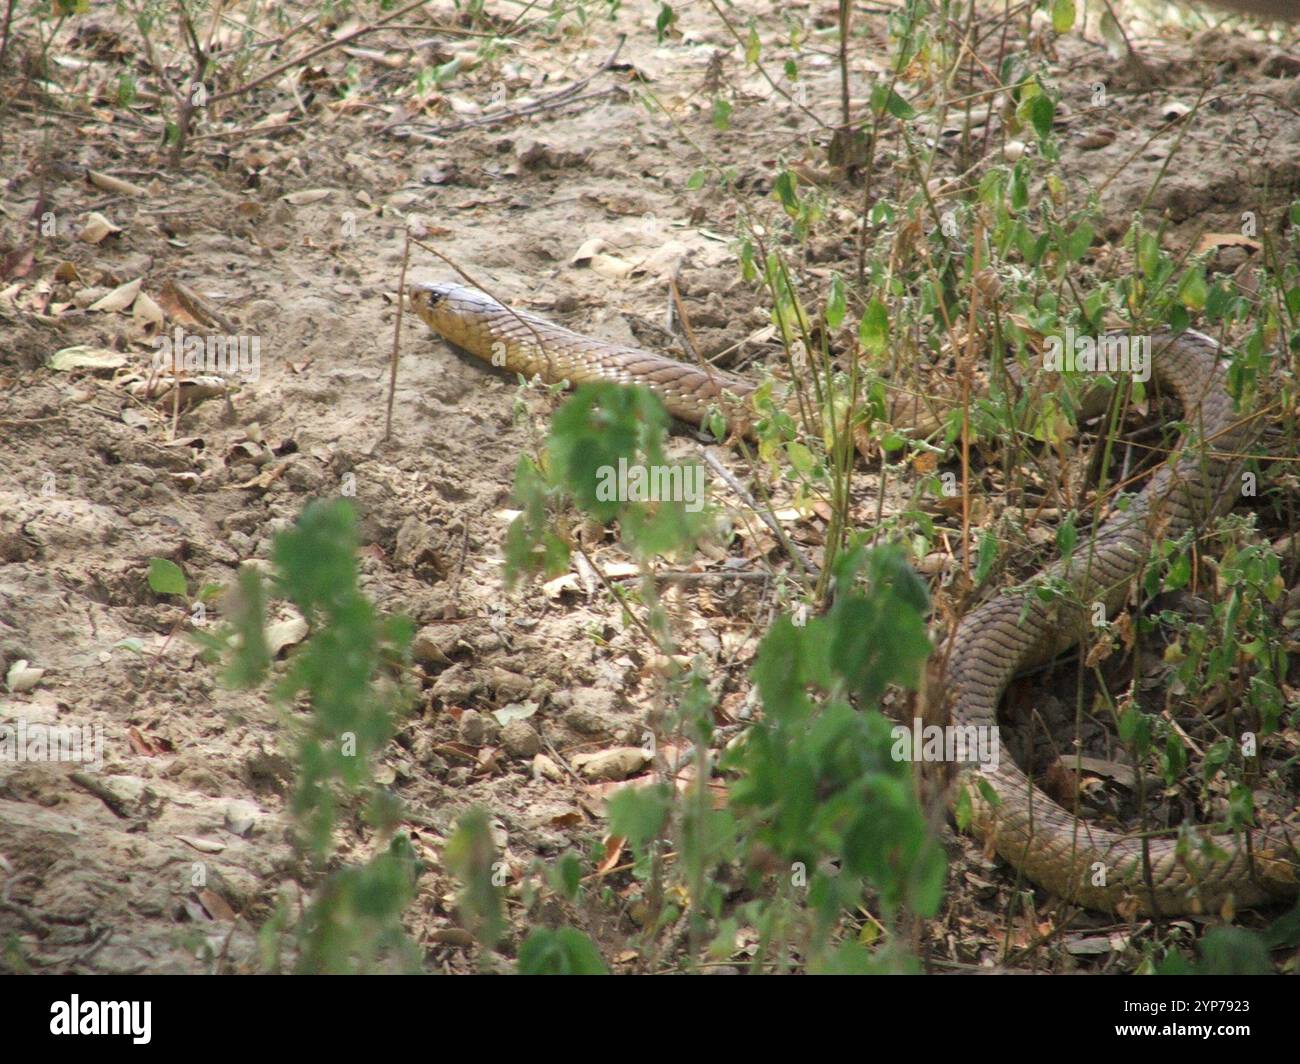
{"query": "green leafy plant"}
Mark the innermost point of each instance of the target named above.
(347, 673)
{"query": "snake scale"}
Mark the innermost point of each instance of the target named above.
(1012, 631)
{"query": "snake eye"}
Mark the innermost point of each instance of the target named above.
(428, 295)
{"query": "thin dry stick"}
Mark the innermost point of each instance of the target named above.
(4, 32)
(397, 336)
(565, 98)
(312, 53)
(688, 334)
(767, 518)
(186, 103)
(617, 595)
(966, 371)
(559, 98)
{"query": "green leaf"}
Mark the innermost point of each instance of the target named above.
(721, 114)
(1063, 15)
(639, 814)
(664, 22)
(1067, 536)
(718, 425)
(884, 98)
(566, 876)
(602, 423)
(166, 577)
(1175, 759)
(873, 330)
(988, 554)
(1042, 112)
(1192, 290)
(880, 638)
(1180, 572)
(563, 952)
(1113, 34)
(1149, 255)
(785, 188)
(446, 71)
(835, 302)
(1234, 951)
(800, 457)
(470, 855)
(1079, 241)
(1019, 188)
(987, 793)
(779, 670)
(962, 810)
(1135, 730)
(1293, 299)
(1284, 932)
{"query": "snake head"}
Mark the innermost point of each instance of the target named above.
(461, 315)
(425, 296)
(439, 303)
(430, 294)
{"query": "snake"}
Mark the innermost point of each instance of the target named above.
(1014, 630)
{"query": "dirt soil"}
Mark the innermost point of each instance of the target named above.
(288, 218)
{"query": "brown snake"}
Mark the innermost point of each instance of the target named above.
(1014, 630)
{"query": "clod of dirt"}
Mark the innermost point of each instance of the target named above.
(594, 712)
(546, 769)
(433, 645)
(473, 728)
(616, 764)
(521, 739)
(510, 686)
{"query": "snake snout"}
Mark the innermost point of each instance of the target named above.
(428, 295)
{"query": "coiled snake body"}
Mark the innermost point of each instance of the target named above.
(1007, 634)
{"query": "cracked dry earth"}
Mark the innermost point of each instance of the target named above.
(170, 857)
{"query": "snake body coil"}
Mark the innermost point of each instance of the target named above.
(1009, 633)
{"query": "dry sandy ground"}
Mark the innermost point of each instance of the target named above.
(191, 831)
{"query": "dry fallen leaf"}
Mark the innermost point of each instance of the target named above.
(119, 298)
(21, 677)
(307, 195)
(553, 589)
(83, 357)
(194, 390)
(141, 744)
(284, 633)
(17, 263)
(114, 184)
(216, 906)
(613, 851)
(1095, 138)
(589, 249)
(1210, 241)
(146, 310)
(178, 303)
(96, 228)
(202, 845)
